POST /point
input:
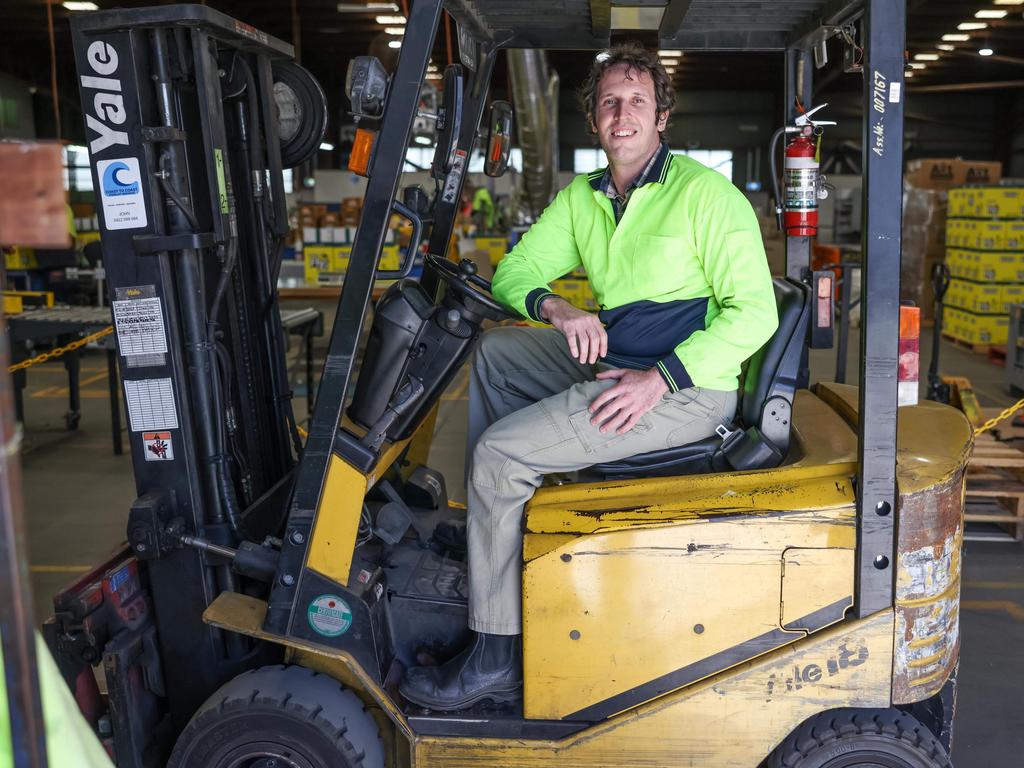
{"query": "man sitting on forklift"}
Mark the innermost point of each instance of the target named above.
(675, 259)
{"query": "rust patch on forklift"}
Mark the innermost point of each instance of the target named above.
(927, 641)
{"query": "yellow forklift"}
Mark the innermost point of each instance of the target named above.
(784, 594)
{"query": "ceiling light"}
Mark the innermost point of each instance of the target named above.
(424, 140)
(1009, 2)
(985, 52)
(73, 6)
(670, 53)
(432, 68)
(366, 7)
(945, 47)
(968, 26)
(926, 57)
(326, 146)
(916, 65)
(391, 19)
(394, 30)
(990, 14)
(956, 38)
(395, 44)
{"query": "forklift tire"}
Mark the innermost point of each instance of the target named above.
(286, 715)
(850, 738)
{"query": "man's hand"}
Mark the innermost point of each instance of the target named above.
(621, 406)
(587, 337)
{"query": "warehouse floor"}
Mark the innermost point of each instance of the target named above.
(77, 494)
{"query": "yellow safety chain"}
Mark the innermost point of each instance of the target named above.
(62, 350)
(1005, 414)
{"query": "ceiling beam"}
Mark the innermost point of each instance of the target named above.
(672, 19)
(601, 18)
(835, 13)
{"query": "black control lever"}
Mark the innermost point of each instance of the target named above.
(406, 396)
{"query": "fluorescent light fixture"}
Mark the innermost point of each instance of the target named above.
(946, 47)
(1009, 2)
(77, 6)
(422, 140)
(926, 57)
(366, 7)
(394, 30)
(432, 68)
(326, 146)
(969, 26)
(391, 19)
(985, 52)
(908, 74)
(916, 65)
(956, 38)
(989, 13)
(670, 53)
(394, 44)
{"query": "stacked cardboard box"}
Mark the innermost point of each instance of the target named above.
(924, 220)
(328, 232)
(985, 255)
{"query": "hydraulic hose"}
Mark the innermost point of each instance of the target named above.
(773, 159)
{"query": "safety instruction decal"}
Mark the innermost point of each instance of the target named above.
(329, 616)
(150, 405)
(121, 196)
(139, 320)
(158, 446)
(451, 184)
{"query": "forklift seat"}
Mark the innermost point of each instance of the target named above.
(760, 439)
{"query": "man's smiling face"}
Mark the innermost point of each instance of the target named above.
(626, 119)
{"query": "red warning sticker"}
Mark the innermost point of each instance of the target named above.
(158, 446)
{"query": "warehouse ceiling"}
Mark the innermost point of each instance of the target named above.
(328, 33)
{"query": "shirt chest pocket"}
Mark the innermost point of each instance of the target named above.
(664, 264)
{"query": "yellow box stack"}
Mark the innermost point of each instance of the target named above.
(985, 256)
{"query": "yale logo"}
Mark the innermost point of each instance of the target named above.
(108, 102)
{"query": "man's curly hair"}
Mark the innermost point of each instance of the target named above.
(637, 59)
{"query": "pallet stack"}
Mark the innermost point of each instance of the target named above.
(985, 255)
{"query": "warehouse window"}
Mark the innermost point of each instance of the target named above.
(592, 158)
(77, 173)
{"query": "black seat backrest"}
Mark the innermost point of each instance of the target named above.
(774, 370)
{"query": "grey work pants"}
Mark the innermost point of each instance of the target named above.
(528, 416)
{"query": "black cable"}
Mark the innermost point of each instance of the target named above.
(166, 187)
(779, 202)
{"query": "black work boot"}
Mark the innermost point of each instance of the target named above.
(491, 667)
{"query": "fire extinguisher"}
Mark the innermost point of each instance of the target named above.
(797, 208)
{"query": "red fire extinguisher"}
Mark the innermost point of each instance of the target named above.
(801, 185)
(797, 208)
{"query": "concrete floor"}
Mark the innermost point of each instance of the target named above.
(77, 495)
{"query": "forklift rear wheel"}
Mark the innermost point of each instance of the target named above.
(860, 738)
(288, 717)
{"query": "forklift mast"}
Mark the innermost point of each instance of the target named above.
(186, 155)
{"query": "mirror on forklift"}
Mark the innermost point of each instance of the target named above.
(499, 139)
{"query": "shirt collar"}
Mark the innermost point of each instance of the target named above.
(656, 169)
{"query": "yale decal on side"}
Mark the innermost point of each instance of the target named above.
(108, 102)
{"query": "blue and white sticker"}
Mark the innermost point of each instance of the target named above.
(329, 615)
(124, 206)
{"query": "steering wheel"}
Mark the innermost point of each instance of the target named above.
(464, 280)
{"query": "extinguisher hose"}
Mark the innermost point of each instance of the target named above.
(774, 160)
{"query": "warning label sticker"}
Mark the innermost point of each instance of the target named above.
(140, 326)
(158, 446)
(329, 615)
(124, 206)
(150, 404)
(451, 183)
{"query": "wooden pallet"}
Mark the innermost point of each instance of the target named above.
(981, 349)
(997, 355)
(995, 486)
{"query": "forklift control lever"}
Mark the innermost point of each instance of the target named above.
(406, 396)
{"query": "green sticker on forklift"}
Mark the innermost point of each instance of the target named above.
(222, 188)
(329, 615)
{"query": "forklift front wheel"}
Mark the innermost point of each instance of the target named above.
(847, 738)
(286, 716)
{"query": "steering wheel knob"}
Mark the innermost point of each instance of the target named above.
(467, 268)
